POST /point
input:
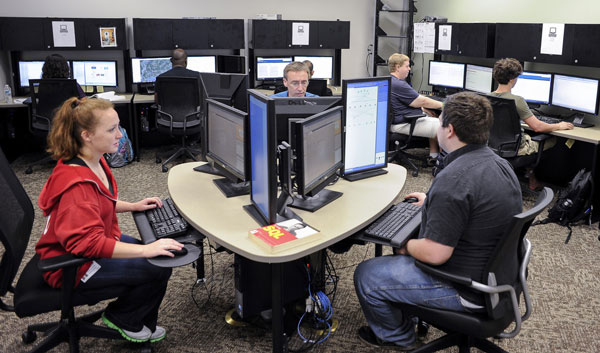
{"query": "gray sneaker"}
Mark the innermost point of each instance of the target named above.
(141, 336)
(158, 334)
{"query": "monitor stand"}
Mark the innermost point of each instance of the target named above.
(231, 189)
(283, 215)
(314, 203)
(365, 174)
(578, 121)
(208, 169)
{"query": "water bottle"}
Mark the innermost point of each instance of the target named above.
(7, 94)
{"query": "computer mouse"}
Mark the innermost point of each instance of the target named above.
(181, 252)
(411, 200)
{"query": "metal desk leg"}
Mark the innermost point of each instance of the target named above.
(279, 341)
(200, 276)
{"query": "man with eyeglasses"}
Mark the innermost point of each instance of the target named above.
(295, 79)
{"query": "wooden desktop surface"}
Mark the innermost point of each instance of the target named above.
(225, 222)
(590, 134)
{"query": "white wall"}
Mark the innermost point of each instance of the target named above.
(358, 12)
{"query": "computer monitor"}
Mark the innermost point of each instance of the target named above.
(287, 108)
(366, 122)
(446, 74)
(479, 78)
(534, 87)
(95, 72)
(29, 70)
(271, 68)
(231, 64)
(263, 159)
(228, 89)
(322, 65)
(227, 130)
(145, 70)
(206, 63)
(577, 93)
(317, 144)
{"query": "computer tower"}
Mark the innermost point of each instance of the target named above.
(253, 285)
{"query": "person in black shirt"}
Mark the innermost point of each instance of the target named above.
(179, 66)
(465, 213)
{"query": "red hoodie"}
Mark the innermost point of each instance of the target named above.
(80, 216)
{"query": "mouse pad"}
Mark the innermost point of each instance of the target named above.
(165, 261)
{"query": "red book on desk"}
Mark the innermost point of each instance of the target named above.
(283, 235)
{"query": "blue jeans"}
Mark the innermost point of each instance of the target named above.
(141, 287)
(382, 281)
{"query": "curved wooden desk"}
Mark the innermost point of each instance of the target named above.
(224, 221)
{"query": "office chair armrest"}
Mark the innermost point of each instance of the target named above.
(63, 261)
(444, 275)
(540, 137)
(412, 120)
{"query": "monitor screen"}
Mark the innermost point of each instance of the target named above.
(577, 93)
(232, 64)
(446, 74)
(287, 108)
(366, 104)
(29, 70)
(534, 87)
(145, 70)
(479, 78)
(202, 63)
(322, 65)
(270, 68)
(95, 73)
(226, 139)
(319, 150)
(263, 175)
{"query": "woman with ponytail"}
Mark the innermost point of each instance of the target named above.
(80, 202)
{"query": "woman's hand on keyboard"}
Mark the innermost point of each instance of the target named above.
(147, 203)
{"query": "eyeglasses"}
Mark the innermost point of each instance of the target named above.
(298, 83)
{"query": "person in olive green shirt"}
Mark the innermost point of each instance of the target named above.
(506, 72)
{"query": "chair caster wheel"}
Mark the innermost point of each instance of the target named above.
(158, 160)
(28, 337)
(422, 329)
(29, 170)
(165, 169)
(415, 173)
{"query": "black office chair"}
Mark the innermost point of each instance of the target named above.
(46, 96)
(503, 282)
(32, 295)
(506, 134)
(179, 113)
(401, 143)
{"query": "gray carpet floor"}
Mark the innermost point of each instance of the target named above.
(564, 283)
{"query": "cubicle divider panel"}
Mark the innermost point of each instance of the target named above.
(226, 34)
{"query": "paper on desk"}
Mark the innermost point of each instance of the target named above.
(111, 96)
(19, 100)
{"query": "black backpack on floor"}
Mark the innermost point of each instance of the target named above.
(574, 203)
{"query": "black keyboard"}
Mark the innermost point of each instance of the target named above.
(551, 120)
(165, 221)
(397, 225)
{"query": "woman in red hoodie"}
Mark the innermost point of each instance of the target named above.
(80, 202)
